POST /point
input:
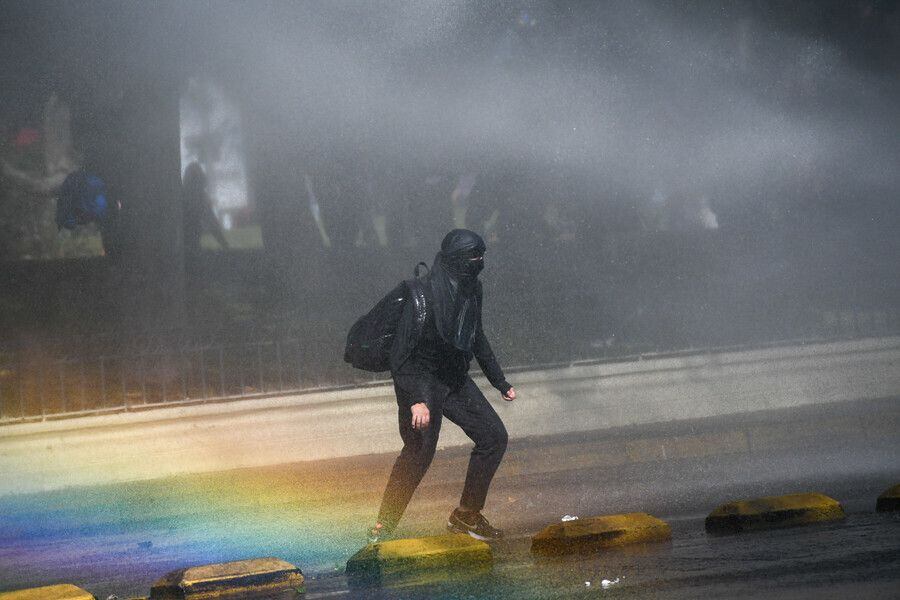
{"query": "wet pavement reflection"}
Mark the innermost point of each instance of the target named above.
(859, 556)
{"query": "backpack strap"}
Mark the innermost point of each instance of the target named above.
(420, 309)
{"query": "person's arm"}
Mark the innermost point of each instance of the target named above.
(484, 354)
(420, 414)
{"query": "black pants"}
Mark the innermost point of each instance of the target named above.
(468, 408)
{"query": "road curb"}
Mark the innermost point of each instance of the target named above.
(772, 512)
(50, 592)
(419, 560)
(595, 533)
(889, 500)
(238, 579)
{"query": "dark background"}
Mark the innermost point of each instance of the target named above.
(664, 177)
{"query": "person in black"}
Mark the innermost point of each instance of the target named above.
(431, 381)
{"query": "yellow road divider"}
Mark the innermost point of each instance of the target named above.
(596, 533)
(772, 512)
(50, 592)
(889, 500)
(419, 560)
(240, 579)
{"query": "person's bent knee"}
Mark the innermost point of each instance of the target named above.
(494, 443)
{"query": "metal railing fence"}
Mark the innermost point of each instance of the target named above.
(33, 389)
(151, 371)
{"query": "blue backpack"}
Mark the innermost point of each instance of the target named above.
(81, 200)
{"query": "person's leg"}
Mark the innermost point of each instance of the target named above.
(469, 409)
(411, 464)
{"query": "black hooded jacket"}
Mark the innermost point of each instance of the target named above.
(437, 338)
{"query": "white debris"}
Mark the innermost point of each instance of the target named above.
(607, 583)
(587, 584)
(569, 518)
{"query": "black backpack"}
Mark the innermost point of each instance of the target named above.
(371, 338)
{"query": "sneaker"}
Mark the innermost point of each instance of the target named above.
(378, 533)
(474, 524)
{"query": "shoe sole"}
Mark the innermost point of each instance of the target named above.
(454, 529)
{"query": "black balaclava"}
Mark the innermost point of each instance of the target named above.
(453, 280)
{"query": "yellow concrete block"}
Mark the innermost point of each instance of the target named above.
(889, 500)
(258, 577)
(419, 560)
(50, 592)
(773, 512)
(595, 533)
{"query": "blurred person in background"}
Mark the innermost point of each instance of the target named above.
(82, 200)
(198, 215)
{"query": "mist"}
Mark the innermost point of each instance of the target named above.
(691, 288)
(648, 177)
(629, 93)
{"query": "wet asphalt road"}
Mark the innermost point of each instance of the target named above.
(93, 539)
(858, 558)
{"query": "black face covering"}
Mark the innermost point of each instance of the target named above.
(453, 282)
(463, 265)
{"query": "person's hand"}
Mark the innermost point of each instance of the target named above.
(510, 395)
(421, 417)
